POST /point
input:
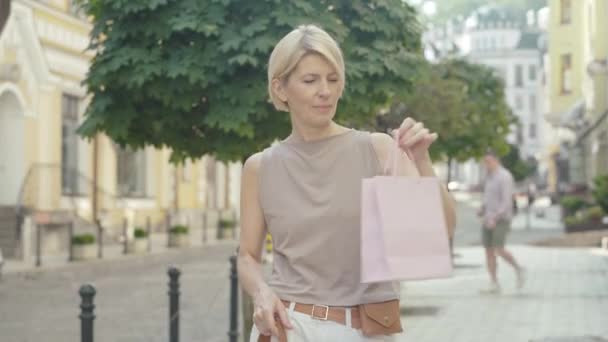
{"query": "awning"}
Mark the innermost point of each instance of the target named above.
(571, 118)
(585, 133)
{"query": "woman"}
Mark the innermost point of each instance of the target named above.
(305, 191)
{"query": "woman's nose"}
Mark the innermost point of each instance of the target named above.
(324, 88)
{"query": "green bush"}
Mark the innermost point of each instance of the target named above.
(594, 213)
(227, 223)
(572, 204)
(600, 192)
(83, 239)
(572, 220)
(179, 229)
(140, 233)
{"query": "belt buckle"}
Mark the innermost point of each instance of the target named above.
(312, 314)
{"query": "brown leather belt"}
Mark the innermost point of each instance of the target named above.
(321, 312)
(328, 313)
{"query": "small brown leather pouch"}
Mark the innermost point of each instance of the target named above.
(382, 318)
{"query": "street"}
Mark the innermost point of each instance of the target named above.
(566, 295)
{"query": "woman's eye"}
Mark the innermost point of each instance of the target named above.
(309, 81)
(334, 80)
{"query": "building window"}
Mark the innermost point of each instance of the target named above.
(532, 72)
(519, 135)
(519, 75)
(501, 73)
(131, 172)
(532, 103)
(566, 11)
(69, 145)
(519, 102)
(532, 131)
(566, 73)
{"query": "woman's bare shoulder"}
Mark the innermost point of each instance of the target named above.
(252, 164)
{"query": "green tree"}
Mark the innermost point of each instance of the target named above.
(463, 102)
(191, 75)
(520, 168)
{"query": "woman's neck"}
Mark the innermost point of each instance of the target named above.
(316, 133)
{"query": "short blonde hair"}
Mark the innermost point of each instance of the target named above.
(293, 47)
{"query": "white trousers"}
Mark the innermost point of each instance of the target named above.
(308, 329)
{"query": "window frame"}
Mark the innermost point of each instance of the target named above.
(69, 167)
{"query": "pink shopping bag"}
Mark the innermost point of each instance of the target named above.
(403, 229)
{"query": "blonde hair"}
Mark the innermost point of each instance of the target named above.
(288, 52)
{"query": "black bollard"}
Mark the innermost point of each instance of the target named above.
(173, 304)
(149, 233)
(233, 333)
(87, 314)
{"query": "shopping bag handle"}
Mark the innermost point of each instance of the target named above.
(391, 164)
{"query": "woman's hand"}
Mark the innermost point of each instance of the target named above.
(414, 139)
(267, 309)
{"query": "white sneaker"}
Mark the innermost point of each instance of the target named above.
(493, 289)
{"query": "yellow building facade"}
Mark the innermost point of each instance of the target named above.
(578, 84)
(46, 168)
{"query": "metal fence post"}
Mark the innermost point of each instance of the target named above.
(168, 228)
(99, 239)
(124, 235)
(38, 245)
(204, 227)
(71, 243)
(87, 314)
(233, 333)
(173, 304)
(149, 233)
(234, 220)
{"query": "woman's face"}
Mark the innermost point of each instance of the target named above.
(312, 91)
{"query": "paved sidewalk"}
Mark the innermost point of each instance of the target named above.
(566, 295)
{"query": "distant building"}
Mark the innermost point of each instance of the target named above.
(578, 89)
(512, 45)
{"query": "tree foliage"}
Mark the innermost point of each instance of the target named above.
(520, 168)
(191, 75)
(463, 102)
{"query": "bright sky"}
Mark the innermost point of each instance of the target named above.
(429, 7)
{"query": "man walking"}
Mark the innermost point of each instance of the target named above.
(497, 211)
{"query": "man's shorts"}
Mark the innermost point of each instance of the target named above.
(496, 237)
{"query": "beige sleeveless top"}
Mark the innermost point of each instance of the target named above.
(310, 195)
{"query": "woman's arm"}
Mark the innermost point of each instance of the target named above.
(253, 229)
(253, 232)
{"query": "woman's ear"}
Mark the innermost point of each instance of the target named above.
(279, 89)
